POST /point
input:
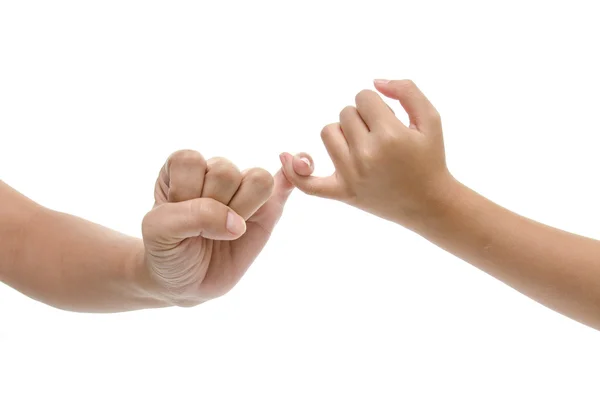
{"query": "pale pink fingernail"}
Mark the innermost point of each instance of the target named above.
(381, 81)
(304, 159)
(235, 224)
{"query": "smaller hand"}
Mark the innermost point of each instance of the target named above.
(382, 166)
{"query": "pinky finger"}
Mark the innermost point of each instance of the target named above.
(303, 164)
(329, 187)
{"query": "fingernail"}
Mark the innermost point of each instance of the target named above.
(235, 224)
(282, 158)
(304, 159)
(381, 81)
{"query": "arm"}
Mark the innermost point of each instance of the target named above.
(558, 269)
(399, 173)
(68, 262)
(209, 223)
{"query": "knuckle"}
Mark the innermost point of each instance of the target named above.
(364, 95)
(187, 158)
(225, 170)
(435, 116)
(260, 179)
(347, 111)
(407, 83)
(228, 174)
(328, 130)
(194, 210)
(203, 207)
(390, 139)
(203, 213)
(367, 156)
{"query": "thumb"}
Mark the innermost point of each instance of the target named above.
(170, 223)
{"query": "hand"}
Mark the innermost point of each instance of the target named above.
(209, 222)
(382, 166)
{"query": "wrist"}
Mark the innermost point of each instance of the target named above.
(143, 283)
(155, 288)
(445, 199)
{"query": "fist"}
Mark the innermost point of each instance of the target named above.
(392, 170)
(209, 222)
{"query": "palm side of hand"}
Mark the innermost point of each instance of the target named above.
(189, 249)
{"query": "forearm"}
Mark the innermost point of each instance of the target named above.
(558, 269)
(70, 263)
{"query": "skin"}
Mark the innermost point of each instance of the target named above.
(399, 173)
(208, 224)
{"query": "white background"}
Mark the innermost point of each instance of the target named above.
(95, 95)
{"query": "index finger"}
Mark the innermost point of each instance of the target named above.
(184, 174)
